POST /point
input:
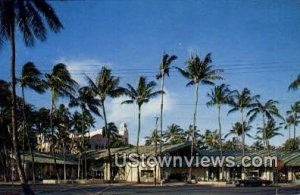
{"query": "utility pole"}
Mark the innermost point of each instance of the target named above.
(155, 132)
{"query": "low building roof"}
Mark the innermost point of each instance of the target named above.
(46, 158)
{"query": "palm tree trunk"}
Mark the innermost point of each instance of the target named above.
(52, 135)
(264, 132)
(108, 143)
(194, 129)
(220, 139)
(27, 137)
(161, 117)
(31, 151)
(65, 173)
(137, 142)
(155, 168)
(294, 142)
(23, 181)
(83, 143)
(289, 132)
(5, 162)
(243, 142)
(78, 166)
(24, 126)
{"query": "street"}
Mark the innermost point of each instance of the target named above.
(128, 189)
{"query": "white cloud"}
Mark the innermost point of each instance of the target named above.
(118, 112)
(81, 67)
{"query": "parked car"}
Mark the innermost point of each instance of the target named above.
(253, 181)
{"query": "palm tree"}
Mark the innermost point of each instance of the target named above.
(257, 145)
(81, 123)
(295, 113)
(30, 78)
(174, 134)
(60, 84)
(62, 121)
(267, 109)
(199, 72)
(114, 132)
(268, 132)
(288, 122)
(164, 69)
(237, 130)
(5, 101)
(105, 86)
(143, 93)
(218, 96)
(88, 104)
(240, 102)
(211, 139)
(188, 134)
(154, 137)
(295, 84)
(25, 16)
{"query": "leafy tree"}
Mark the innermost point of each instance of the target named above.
(174, 134)
(237, 131)
(199, 72)
(257, 145)
(28, 17)
(290, 144)
(188, 134)
(143, 93)
(211, 139)
(154, 137)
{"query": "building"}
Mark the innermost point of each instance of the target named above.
(98, 141)
(287, 171)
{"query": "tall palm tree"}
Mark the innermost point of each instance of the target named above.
(164, 70)
(30, 78)
(105, 86)
(240, 102)
(88, 104)
(28, 17)
(140, 95)
(269, 131)
(218, 96)
(295, 84)
(267, 109)
(60, 84)
(174, 134)
(199, 72)
(295, 113)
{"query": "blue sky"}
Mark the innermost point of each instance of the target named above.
(257, 43)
